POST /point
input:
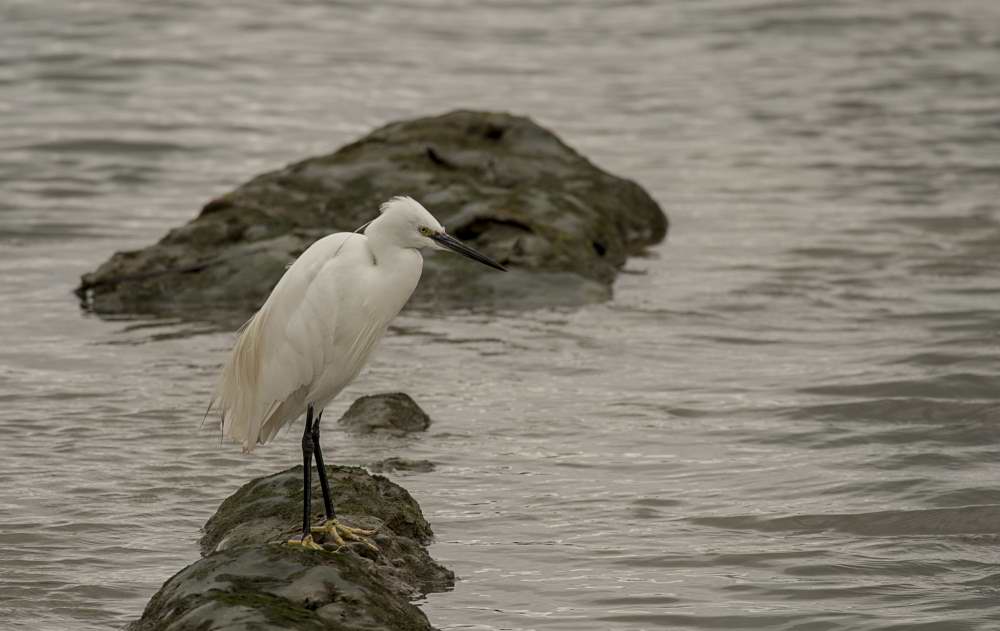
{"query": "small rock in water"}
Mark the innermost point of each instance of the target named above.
(249, 578)
(394, 412)
(389, 465)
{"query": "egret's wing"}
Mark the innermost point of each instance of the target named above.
(281, 350)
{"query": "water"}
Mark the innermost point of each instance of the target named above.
(786, 419)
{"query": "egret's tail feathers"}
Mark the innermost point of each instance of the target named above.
(255, 400)
(281, 413)
(207, 410)
(237, 392)
(241, 426)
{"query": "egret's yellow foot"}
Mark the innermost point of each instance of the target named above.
(341, 534)
(306, 542)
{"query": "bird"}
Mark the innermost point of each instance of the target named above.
(315, 332)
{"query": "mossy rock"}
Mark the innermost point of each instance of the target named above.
(250, 578)
(279, 587)
(513, 189)
(272, 505)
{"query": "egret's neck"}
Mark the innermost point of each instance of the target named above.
(395, 272)
(385, 248)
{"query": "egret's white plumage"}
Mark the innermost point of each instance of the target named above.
(315, 332)
(321, 322)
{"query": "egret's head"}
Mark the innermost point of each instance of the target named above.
(410, 223)
(412, 226)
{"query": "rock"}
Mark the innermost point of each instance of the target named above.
(394, 412)
(249, 579)
(270, 587)
(389, 465)
(501, 182)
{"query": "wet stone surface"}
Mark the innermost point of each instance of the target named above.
(250, 578)
(394, 412)
(502, 183)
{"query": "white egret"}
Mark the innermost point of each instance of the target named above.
(316, 330)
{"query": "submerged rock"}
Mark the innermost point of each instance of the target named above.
(389, 465)
(249, 579)
(501, 182)
(394, 412)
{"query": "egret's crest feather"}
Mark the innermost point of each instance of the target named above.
(398, 199)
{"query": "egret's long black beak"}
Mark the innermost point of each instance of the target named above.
(453, 244)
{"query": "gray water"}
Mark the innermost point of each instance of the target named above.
(787, 418)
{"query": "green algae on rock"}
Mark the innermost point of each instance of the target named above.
(249, 579)
(278, 587)
(511, 188)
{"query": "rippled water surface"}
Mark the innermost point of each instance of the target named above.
(787, 418)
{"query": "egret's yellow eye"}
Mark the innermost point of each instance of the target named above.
(424, 230)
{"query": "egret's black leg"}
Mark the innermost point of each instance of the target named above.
(321, 469)
(307, 454)
(338, 532)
